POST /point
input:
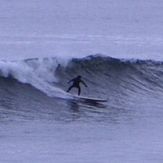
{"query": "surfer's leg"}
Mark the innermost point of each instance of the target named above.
(70, 88)
(79, 90)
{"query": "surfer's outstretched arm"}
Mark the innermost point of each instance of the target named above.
(84, 83)
(70, 81)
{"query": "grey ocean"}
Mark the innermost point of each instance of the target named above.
(116, 45)
(39, 123)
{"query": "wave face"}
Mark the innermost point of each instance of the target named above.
(120, 81)
(116, 75)
(125, 83)
(101, 73)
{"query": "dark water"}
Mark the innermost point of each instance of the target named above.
(127, 84)
(125, 129)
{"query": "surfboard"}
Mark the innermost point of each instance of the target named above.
(89, 99)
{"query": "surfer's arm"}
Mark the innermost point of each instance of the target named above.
(84, 83)
(70, 81)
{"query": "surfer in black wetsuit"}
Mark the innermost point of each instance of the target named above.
(76, 83)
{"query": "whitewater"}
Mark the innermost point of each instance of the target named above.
(116, 46)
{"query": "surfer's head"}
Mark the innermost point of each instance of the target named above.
(79, 76)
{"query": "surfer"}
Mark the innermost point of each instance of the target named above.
(76, 84)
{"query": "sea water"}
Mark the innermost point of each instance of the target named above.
(116, 46)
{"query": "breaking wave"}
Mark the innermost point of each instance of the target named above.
(105, 76)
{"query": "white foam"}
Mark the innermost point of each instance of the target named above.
(38, 73)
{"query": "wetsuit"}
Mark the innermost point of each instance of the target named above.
(76, 83)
